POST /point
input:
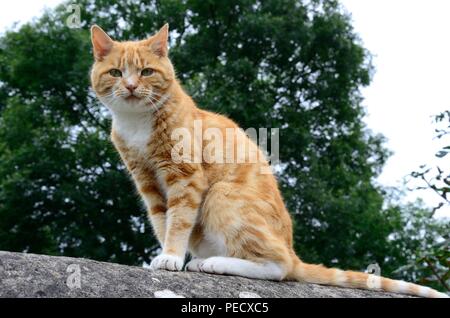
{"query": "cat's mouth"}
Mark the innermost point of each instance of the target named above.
(132, 97)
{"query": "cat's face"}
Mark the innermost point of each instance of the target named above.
(131, 76)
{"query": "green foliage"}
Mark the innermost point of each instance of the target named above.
(294, 65)
(438, 179)
(435, 258)
(421, 243)
(63, 189)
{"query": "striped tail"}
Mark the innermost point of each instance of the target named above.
(318, 274)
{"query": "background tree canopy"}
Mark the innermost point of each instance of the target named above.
(291, 64)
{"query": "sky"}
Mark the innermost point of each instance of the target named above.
(409, 40)
(410, 43)
(22, 10)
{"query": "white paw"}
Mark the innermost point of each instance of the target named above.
(194, 265)
(167, 262)
(214, 265)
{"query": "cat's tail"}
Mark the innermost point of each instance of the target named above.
(318, 274)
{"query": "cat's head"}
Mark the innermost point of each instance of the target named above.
(131, 76)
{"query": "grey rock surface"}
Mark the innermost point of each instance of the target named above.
(31, 275)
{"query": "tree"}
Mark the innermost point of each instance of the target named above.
(437, 179)
(63, 189)
(433, 259)
(423, 243)
(294, 65)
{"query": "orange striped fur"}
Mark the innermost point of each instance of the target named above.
(229, 216)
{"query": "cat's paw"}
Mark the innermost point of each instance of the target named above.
(167, 262)
(214, 265)
(194, 265)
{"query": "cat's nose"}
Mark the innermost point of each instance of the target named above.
(131, 87)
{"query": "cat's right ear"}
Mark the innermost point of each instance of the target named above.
(101, 42)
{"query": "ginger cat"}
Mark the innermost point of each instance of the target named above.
(229, 216)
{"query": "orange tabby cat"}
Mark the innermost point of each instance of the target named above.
(229, 215)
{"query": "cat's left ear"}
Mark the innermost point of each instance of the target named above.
(159, 42)
(101, 42)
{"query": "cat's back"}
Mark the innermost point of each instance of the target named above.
(211, 119)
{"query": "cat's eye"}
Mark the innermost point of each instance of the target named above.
(146, 72)
(115, 72)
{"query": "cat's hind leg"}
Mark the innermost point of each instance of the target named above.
(194, 265)
(240, 267)
(242, 235)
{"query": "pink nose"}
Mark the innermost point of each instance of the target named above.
(131, 87)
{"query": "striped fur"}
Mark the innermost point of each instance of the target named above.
(230, 216)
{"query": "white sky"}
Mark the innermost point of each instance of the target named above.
(410, 41)
(22, 10)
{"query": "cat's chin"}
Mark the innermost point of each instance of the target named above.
(128, 106)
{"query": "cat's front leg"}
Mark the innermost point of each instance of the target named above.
(156, 206)
(184, 195)
(157, 214)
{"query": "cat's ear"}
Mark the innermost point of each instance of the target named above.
(101, 42)
(159, 42)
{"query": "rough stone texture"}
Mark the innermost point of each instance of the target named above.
(30, 275)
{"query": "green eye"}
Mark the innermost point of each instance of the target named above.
(146, 72)
(115, 73)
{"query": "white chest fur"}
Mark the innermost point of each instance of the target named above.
(134, 128)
